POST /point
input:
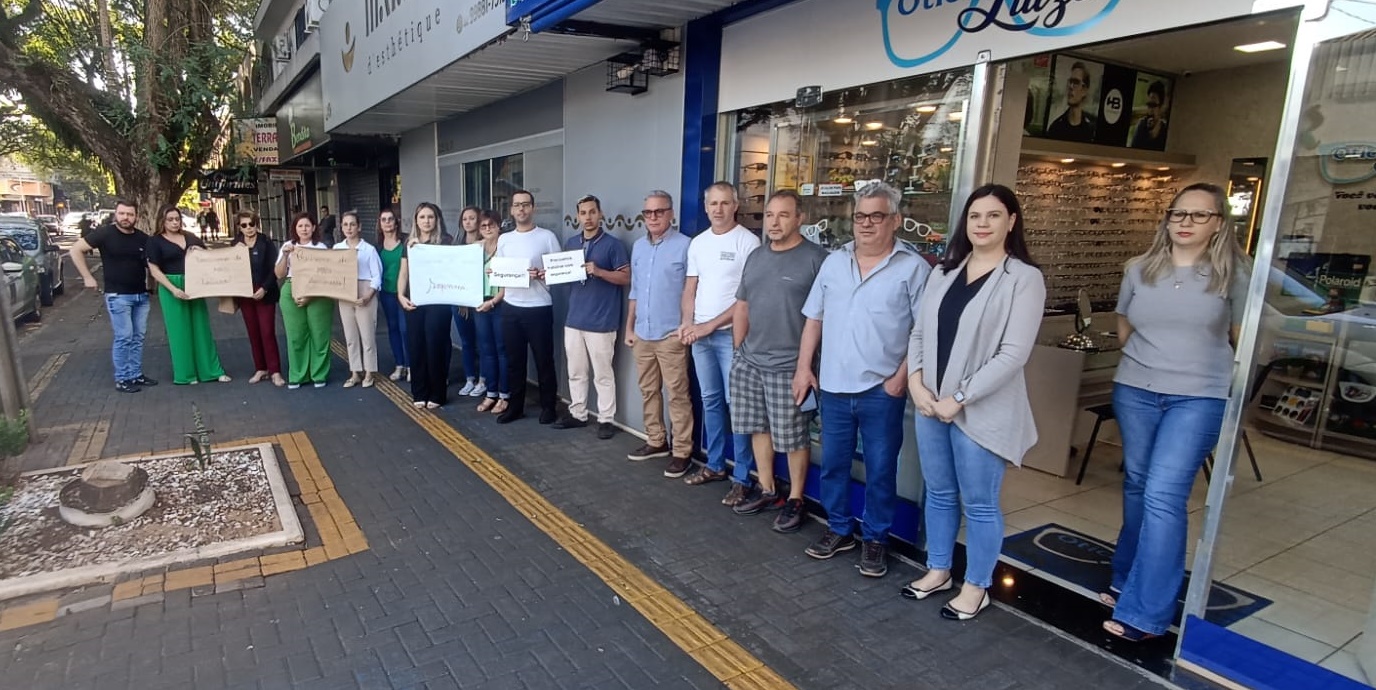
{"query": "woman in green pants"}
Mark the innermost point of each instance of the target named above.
(189, 339)
(307, 320)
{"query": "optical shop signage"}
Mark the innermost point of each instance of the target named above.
(370, 50)
(878, 40)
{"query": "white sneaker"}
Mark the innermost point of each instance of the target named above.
(479, 389)
(467, 388)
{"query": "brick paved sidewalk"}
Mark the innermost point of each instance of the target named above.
(458, 588)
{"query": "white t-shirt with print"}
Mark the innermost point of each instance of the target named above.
(717, 261)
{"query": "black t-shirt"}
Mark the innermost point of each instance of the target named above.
(948, 315)
(122, 258)
(168, 256)
(1062, 129)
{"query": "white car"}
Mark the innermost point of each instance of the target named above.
(72, 222)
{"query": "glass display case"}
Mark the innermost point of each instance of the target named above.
(906, 133)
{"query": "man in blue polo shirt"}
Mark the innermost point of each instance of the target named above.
(593, 316)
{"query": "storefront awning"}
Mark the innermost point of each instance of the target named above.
(634, 13)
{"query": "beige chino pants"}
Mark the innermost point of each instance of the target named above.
(360, 333)
(663, 364)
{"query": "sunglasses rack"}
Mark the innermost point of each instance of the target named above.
(1084, 222)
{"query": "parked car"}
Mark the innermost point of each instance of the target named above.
(46, 255)
(71, 223)
(50, 223)
(21, 279)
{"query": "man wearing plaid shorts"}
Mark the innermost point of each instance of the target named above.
(767, 329)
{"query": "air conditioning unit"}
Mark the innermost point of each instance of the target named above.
(315, 9)
(281, 48)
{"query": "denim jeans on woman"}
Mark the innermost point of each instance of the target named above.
(492, 354)
(396, 326)
(875, 419)
(712, 361)
(957, 471)
(1165, 440)
(129, 321)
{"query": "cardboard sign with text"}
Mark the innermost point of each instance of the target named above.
(446, 274)
(565, 267)
(324, 273)
(218, 273)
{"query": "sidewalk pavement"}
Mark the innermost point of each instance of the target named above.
(459, 587)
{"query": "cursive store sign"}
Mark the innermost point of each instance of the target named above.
(1035, 17)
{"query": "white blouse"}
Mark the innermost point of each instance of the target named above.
(281, 255)
(369, 262)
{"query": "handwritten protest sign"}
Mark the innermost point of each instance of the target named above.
(324, 273)
(446, 275)
(218, 273)
(565, 267)
(508, 271)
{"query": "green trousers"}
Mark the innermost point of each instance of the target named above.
(189, 338)
(308, 336)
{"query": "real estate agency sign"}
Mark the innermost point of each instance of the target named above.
(372, 49)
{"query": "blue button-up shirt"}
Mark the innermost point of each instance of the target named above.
(865, 321)
(658, 272)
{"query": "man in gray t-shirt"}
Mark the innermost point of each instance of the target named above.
(767, 329)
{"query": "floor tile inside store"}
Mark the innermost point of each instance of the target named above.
(1304, 538)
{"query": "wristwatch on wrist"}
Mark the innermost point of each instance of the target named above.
(959, 396)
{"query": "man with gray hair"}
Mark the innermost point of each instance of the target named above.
(659, 267)
(860, 311)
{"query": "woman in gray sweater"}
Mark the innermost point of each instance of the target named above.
(976, 326)
(1178, 312)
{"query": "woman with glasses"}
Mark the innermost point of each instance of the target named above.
(427, 327)
(1179, 308)
(260, 310)
(360, 317)
(192, 345)
(475, 386)
(976, 325)
(391, 247)
(487, 319)
(307, 320)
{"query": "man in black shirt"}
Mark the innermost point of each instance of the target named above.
(122, 247)
(1075, 124)
(327, 223)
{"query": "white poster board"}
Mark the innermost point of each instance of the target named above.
(565, 267)
(509, 271)
(441, 274)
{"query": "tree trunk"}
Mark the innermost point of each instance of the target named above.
(149, 187)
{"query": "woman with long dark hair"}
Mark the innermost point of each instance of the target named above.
(427, 327)
(191, 344)
(488, 321)
(976, 326)
(475, 384)
(391, 247)
(1179, 309)
(260, 310)
(359, 318)
(307, 320)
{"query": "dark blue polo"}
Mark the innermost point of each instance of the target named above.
(595, 304)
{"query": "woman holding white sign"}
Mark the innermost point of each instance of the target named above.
(488, 322)
(427, 327)
(192, 345)
(360, 318)
(307, 320)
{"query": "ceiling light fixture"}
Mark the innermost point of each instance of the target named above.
(1164, 168)
(956, 116)
(843, 119)
(868, 142)
(926, 109)
(1118, 165)
(874, 125)
(1067, 160)
(946, 149)
(1259, 47)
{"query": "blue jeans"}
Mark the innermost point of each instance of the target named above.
(492, 355)
(712, 361)
(468, 342)
(956, 471)
(129, 321)
(396, 326)
(1165, 439)
(876, 419)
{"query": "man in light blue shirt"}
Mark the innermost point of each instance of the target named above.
(861, 309)
(659, 269)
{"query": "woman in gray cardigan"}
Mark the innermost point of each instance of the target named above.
(976, 325)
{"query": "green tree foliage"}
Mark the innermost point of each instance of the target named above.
(144, 87)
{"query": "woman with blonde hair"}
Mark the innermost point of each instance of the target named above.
(307, 320)
(360, 317)
(427, 327)
(260, 310)
(1179, 309)
(192, 345)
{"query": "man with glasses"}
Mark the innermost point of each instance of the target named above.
(659, 269)
(1150, 132)
(125, 267)
(716, 259)
(1075, 124)
(860, 311)
(528, 317)
(593, 315)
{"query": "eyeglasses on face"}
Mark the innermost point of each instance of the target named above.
(1076, 83)
(521, 204)
(1176, 215)
(387, 219)
(245, 224)
(871, 218)
(655, 212)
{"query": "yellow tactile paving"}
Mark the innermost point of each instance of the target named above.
(45, 375)
(705, 643)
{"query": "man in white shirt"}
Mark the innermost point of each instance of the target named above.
(716, 259)
(528, 317)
